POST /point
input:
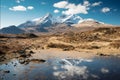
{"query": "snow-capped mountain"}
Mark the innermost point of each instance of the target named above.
(44, 21)
(70, 19)
(89, 22)
(49, 20)
(49, 23)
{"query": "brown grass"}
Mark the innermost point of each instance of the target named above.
(61, 46)
(115, 45)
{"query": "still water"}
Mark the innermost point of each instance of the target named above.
(99, 68)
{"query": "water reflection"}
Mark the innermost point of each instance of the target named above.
(100, 68)
(104, 70)
(71, 70)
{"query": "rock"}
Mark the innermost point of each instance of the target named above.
(15, 65)
(14, 74)
(31, 52)
(31, 35)
(42, 47)
(65, 49)
(21, 51)
(6, 71)
(102, 54)
(37, 60)
(23, 55)
(1, 53)
(21, 61)
(2, 58)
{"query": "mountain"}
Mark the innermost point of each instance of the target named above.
(49, 23)
(90, 23)
(27, 24)
(90, 20)
(44, 21)
(70, 19)
(11, 30)
(49, 20)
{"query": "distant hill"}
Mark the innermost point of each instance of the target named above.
(91, 23)
(11, 30)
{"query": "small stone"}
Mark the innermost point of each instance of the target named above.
(6, 71)
(31, 52)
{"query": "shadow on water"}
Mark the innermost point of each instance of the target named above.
(99, 68)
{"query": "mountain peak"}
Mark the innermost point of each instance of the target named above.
(48, 15)
(72, 19)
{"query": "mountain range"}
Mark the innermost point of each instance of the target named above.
(49, 23)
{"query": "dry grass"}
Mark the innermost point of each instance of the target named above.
(67, 41)
(61, 46)
(86, 46)
(115, 45)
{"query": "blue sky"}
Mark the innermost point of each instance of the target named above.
(15, 12)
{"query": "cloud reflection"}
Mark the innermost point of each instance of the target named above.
(70, 69)
(104, 70)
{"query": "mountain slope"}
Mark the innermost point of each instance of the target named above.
(49, 20)
(27, 24)
(44, 21)
(70, 19)
(11, 30)
(91, 23)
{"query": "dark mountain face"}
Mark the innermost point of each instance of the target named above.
(42, 29)
(11, 30)
(26, 24)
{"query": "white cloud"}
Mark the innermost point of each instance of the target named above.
(86, 3)
(21, 8)
(30, 7)
(56, 11)
(72, 8)
(75, 9)
(61, 4)
(96, 3)
(105, 9)
(18, 8)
